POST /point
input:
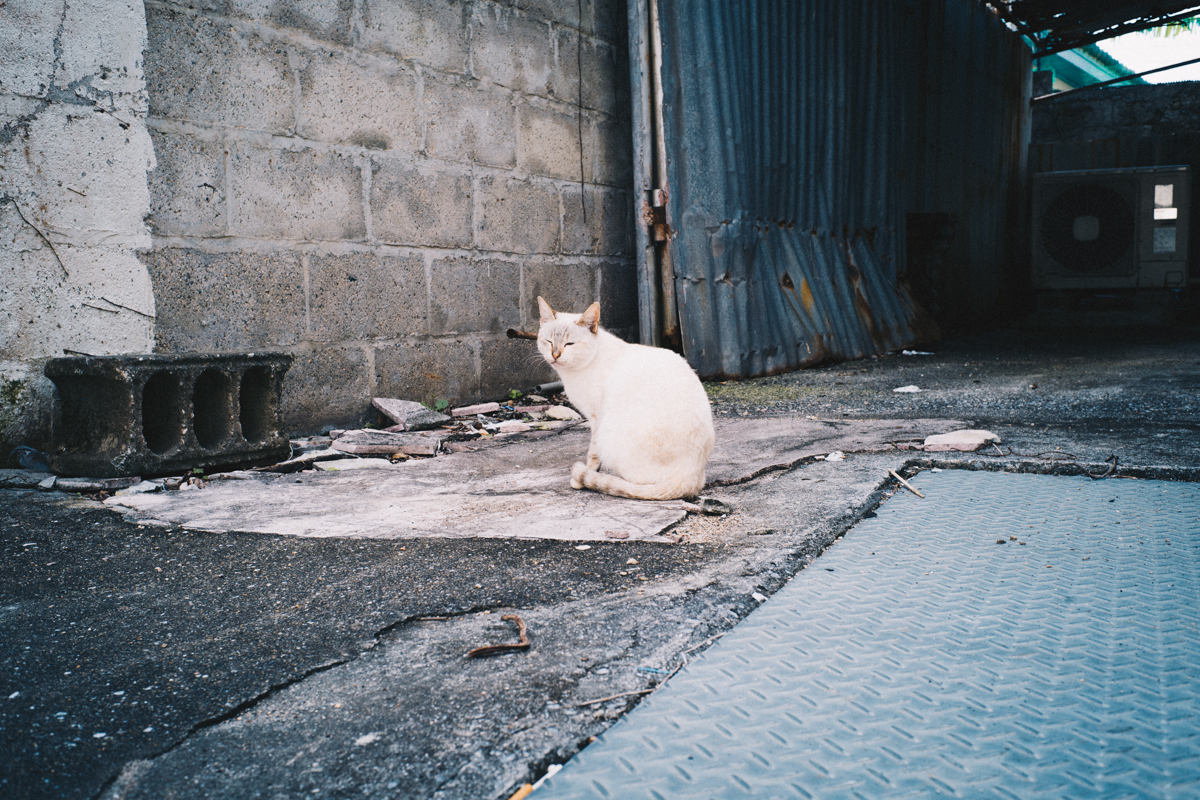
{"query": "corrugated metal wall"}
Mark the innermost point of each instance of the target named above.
(965, 102)
(789, 133)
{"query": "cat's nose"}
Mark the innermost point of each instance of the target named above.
(555, 352)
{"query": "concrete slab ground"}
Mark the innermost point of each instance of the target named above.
(144, 661)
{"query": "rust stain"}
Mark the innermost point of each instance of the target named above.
(806, 297)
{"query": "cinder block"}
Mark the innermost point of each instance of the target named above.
(360, 103)
(614, 150)
(327, 388)
(549, 142)
(517, 216)
(619, 298)
(155, 414)
(331, 20)
(474, 295)
(564, 12)
(431, 32)
(511, 364)
(423, 205)
(215, 74)
(187, 186)
(296, 194)
(469, 123)
(609, 227)
(512, 49)
(603, 18)
(357, 296)
(226, 301)
(601, 71)
(428, 371)
(566, 287)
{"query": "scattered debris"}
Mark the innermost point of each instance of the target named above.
(759, 597)
(95, 484)
(910, 389)
(496, 649)
(409, 415)
(141, 488)
(31, 459)
(563, 413)
(836, 455)
(905, 483)
(368, 442)
(470, 411)
(914, 353)
(550, 388)
(964, 441)
(22, 478)
(617, 534)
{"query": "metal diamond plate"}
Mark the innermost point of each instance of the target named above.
(919, 658)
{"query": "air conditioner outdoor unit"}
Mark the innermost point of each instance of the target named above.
(1111, 228)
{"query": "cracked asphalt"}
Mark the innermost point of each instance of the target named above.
(158, 662)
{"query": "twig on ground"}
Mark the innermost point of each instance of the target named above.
(614, 697)
(905, 483)
(496, 649)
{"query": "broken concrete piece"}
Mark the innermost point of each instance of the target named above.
(140, 488)
(470, 411)
(562, 412)
(910, 389)
(22, 478)
(356, 463)
(536, 399)
(95, 484)
(48, 484)
(513, 426)
(336, 433)
(310, 444)
(531, 409)
(409, 415)
(365, 442)
(964, 441)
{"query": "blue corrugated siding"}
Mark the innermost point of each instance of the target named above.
(789, 175)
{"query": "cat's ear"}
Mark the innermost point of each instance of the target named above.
(590, 319)
(547, 312)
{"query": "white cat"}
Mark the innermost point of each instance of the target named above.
(652, 429)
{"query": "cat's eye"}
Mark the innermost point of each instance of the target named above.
(567, 344)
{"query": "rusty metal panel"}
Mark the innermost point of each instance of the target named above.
(787, 135)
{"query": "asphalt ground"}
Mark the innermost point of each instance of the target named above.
(159, 662)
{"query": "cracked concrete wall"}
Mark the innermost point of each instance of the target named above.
(74, 155)
(383, 188)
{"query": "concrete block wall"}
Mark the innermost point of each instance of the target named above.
(383, 187)
(74, 155)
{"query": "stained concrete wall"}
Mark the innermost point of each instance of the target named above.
(382, 188)
(74, 154)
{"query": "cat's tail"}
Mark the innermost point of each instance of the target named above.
(672, 489)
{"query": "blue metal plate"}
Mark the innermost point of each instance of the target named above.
(920, 658)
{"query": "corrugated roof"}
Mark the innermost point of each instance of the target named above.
(1059, 25)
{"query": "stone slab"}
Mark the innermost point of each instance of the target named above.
(514, 489)
(364, 442)
(413, 416)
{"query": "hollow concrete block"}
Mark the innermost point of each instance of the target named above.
(157, 414)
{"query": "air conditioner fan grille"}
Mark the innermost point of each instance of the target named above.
(1112, 238)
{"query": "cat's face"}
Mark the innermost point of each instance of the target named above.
(568, 341)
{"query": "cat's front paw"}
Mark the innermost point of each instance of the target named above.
(577, 470)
